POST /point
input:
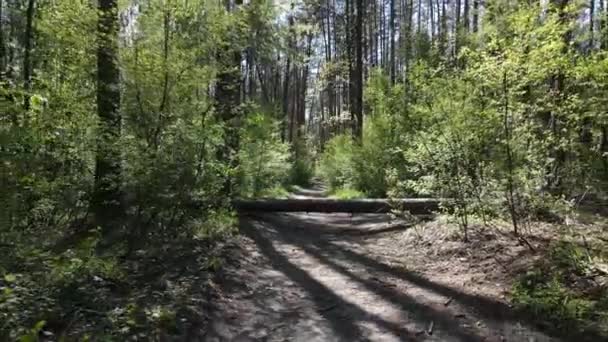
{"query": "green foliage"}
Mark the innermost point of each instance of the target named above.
(346, 193)
(303, 165)
(336, 164)
(493, 133)
(562, 291)
(54, 266)
(550, 299)
(264, 159)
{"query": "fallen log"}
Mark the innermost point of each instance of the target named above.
(416, 206)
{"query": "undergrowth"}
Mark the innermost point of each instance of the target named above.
(568, 290)
(86, 292)
(346, 193)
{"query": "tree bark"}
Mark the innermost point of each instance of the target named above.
(358, 110)
(228, 100)
(3, 52)
(591, 23)
(416, 206)
(476, 15)
(466, 16)
(392, 41)
(27, 52)
(286, 85)
(107, 199)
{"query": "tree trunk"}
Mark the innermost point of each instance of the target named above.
(392, 41)
(228, 99)
(27, 52)
(591, 23)
(476, 15)
(358, 110)
(603, 39)
(3, 52)
(302, 115)
(107, 199)
(466, 16)
(286, 96)
(432, 20)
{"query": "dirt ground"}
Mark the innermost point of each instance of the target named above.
(338, 277)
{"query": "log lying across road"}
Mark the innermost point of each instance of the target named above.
(416, 206)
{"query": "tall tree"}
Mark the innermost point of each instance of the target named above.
(475, 15)
(107, 199)
(228, 98)
(357, 111)
(28, 41)
(466, 16)
(3, 61)
(392, 40)
(287, 79)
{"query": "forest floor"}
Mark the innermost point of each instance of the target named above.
(337, 277)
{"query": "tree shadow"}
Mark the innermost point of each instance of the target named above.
(309, 236)
(343, 319)
(422, 314)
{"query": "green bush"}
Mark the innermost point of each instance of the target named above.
(559, 290)
(336, 164)
(303, 167)
(264, 161)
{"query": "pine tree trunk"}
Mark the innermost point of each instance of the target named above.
(591, 22)
(476, 15)
(27, 52)
(228, 100)
(286, 86)
(3, 52)
(107, 199)
(466, 16)
(432, 19)
(358, 110)
(392, 41)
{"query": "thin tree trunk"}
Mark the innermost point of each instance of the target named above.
(3, 52)
(302, 116)
(286, 95)
(358, 111)
(476, 15)
(510, 162)
(228, 98)
(602, 25)
(432, 19)
(27, 52)
(162, 108)
(392, 41)
(591, 22)
(419, 17)
(107, 199)
(466, 16)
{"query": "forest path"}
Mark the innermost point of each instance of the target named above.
(335, 277)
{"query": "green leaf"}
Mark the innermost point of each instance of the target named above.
(10, 278)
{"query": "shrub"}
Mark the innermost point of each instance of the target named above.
(264, 161)
(336, 165)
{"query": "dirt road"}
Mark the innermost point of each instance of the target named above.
(318, 277)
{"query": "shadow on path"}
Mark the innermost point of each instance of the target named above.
(311, 237)
(343, 320)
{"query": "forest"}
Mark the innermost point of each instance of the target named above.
(131, 129)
